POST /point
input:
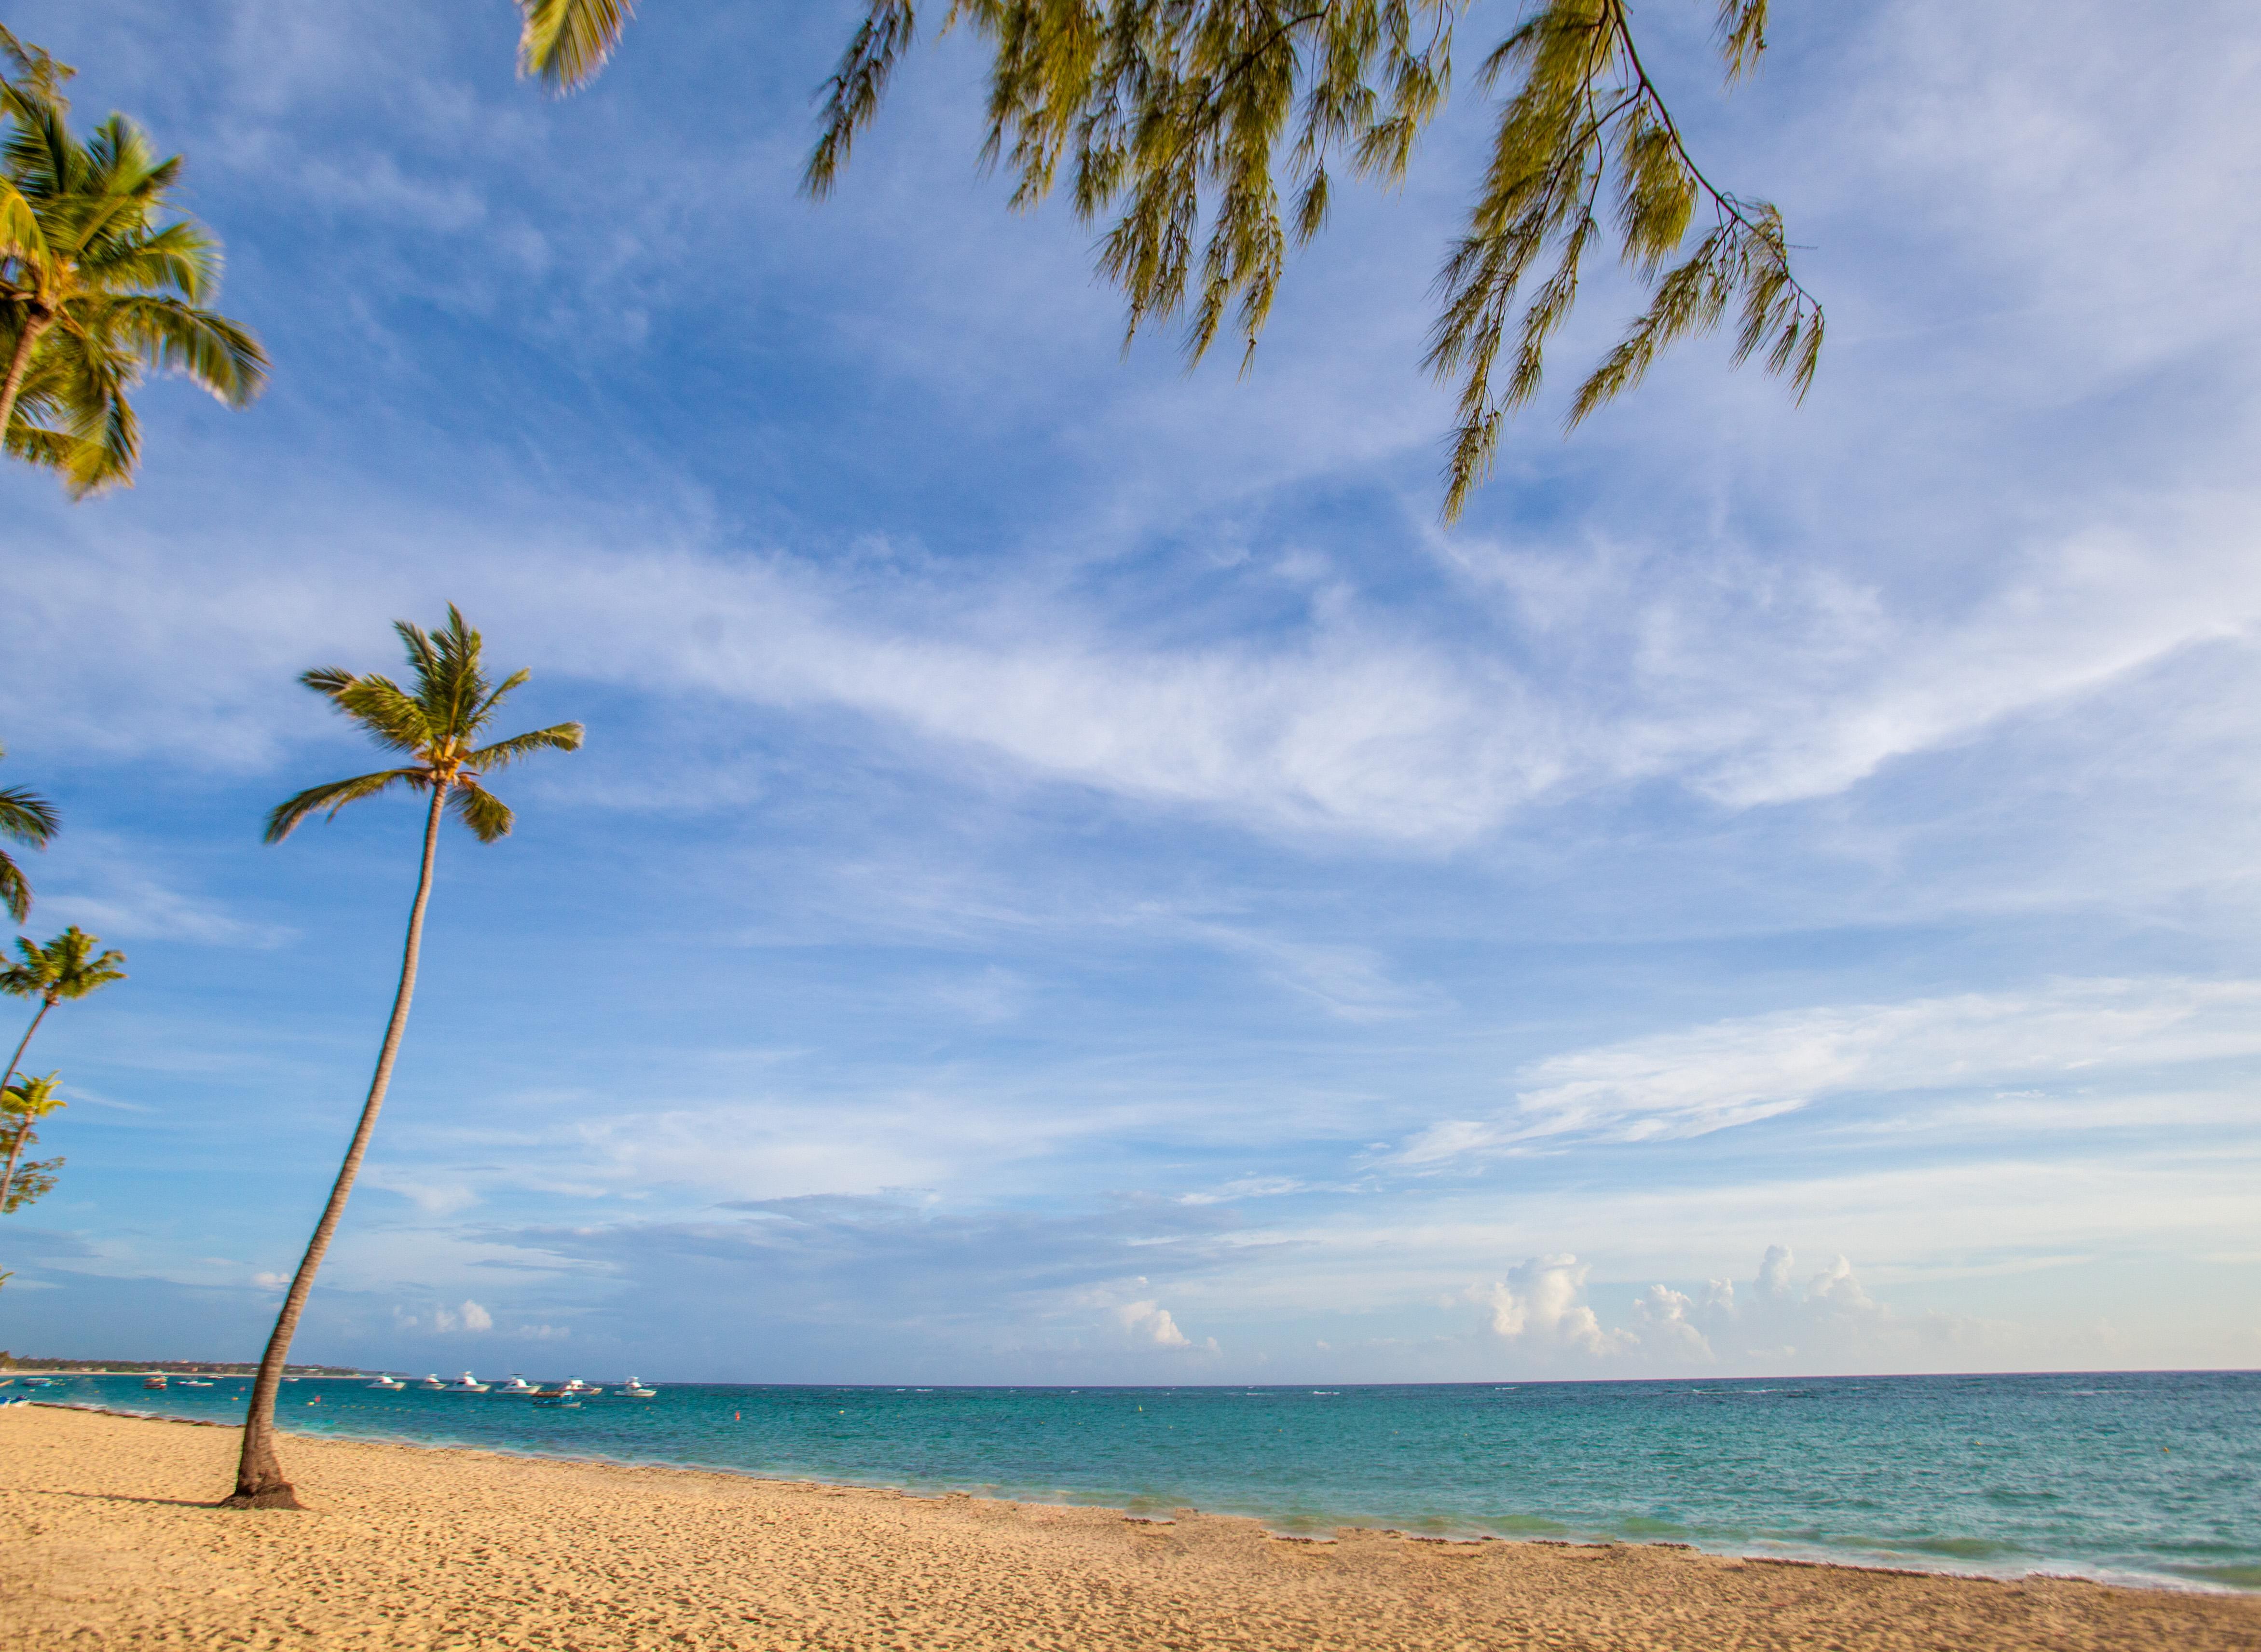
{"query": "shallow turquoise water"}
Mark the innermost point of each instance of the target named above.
(2144, 1477)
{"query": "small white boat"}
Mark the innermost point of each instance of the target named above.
(517, 1385)
(467, 1384)
(194, 1382)
(388, 1381)
(434, 1384)
(635, 1390)
(575, 1385)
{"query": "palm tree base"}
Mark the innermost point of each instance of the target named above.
(275, 1494)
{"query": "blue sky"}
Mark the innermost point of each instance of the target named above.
(1075, 875)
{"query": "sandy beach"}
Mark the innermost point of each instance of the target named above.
(104, 1543)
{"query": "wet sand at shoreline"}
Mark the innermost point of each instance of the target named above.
(104, 1543)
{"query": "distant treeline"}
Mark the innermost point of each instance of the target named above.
(186, 1368)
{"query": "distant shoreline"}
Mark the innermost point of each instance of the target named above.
(173, 1368)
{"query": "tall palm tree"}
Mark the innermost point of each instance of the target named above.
(93, 289)
(437, 723)
(30, 820)
(22, 1104)
(64, 969)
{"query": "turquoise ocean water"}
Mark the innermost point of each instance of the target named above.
(2151, 1477)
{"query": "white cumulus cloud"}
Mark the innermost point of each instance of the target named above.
(1543, 1303)
(468, 1317)
(1823, 1321)
(1149, 1322)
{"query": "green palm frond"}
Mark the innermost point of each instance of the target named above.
(110, 433)
(179, 259)
(484, 713)
(565, 42)
(177, 338)
(19, 224)
(37, 74)
(15, 888)
(563, 737)
(1205, 134)
(123, 167)
(851, 97)
(208, 349)
(487, 815)
(29, 818)
(285, 817)
(388, 714)
(38, 152)
(51, 450)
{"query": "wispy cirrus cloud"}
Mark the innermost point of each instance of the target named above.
(1704, 1079)
(104, 885)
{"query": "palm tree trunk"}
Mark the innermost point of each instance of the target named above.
(18, 364)
(14, 1061)
(259, 1481)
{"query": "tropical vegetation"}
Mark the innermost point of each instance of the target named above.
(22, 1105)
(1171, 115)
(438, 721)
(61, 971)
(100, 281)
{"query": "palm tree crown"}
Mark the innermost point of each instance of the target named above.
(63, 969)
(32, 1096)
(436, 723)
(93, 289)
(30, 820)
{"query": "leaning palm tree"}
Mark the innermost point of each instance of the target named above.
(22, 1105)
(64, 969)
(437, 723)
(94, 289)
(30, 820)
